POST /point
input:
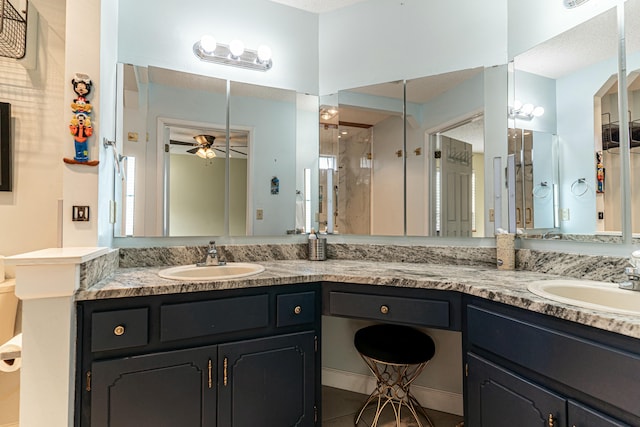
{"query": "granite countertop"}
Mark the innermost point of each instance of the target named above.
(509, 287)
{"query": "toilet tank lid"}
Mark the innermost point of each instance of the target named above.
(8, 285)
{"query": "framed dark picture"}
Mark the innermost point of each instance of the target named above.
(5, 146)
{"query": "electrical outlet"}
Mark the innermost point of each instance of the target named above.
(564, 214)
(259, 214)
(492, 215)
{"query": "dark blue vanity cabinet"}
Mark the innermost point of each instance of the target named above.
(527, 369)
(228, 358)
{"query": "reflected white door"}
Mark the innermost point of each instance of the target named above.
(456, 170)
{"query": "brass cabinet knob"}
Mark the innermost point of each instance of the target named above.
(118, 330)
(297, 310)
(384, 309)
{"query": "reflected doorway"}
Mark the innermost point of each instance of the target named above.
(196, 171)
(457, 179)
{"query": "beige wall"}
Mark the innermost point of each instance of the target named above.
(197, 196)
(444, 372)
(29, 214)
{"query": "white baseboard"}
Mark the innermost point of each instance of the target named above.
(438, 400)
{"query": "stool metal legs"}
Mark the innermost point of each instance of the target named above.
(393, 384)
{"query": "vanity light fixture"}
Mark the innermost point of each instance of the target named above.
(525, 111)
(235, 53)
(570, 4)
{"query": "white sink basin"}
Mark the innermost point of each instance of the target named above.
(231, 270)
(589, 294)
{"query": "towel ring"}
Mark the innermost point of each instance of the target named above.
(542, 190)
(580, 183)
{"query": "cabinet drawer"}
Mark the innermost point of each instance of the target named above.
(111, 330)
(195, 319)
(392, 309)
(295, 309)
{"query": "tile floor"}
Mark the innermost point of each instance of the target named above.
(340, 406)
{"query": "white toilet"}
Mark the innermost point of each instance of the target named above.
(9, 381)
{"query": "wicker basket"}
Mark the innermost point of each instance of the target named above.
(13, 32)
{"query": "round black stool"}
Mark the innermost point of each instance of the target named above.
(396, 355)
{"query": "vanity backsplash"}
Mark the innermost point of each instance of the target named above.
(602, 268)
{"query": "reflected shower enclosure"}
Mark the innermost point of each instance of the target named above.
(345, 170)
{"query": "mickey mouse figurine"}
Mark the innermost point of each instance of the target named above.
(80, 125)
(82, 87)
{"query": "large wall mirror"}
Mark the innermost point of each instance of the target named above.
(405, 158)
(562, 102)
(203, 156)
(632, 37)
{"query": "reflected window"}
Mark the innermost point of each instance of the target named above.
(130, 195)
(438, 208)
(473, 200)
(327, 162)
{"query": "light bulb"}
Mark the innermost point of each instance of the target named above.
(201, 153)
(264, 53)
(527, 109)
(208, 44)
(210, 153)
(538, 111)
(517, 105)
(236, 47)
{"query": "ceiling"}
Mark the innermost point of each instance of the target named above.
(317, 6)
(591, 42)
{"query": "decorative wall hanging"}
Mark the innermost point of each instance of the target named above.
(80, 125)
(275, 185)
(599, 172)
(6, 173)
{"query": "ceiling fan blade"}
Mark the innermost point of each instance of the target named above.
(175, 142)
(236, 151)
(193, 150)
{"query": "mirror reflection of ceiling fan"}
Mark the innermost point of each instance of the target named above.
(212, 144)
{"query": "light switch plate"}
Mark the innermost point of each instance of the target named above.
(259, 214)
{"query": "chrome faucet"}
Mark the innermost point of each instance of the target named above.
(633, 284)
(212, 256)
(633, 273)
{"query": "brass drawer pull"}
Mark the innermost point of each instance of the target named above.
(551, 421)
(384, 309)
(297, 310)
(225, 376)
(118, 330)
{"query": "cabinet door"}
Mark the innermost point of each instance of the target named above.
(499, 398)
(169, 389)
(581, 416)
(267, 382)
